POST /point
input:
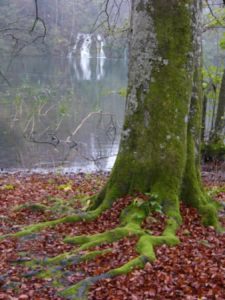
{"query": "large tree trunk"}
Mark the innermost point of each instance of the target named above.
(159, 150)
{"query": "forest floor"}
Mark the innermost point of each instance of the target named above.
(194, 269)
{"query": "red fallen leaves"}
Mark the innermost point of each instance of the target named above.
(191, 270)
(195, 269)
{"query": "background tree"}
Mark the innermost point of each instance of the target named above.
(213, 125)
(218, 130)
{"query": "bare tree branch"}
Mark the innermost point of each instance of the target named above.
(5, 78)
(10, 31)
(111, 10)
(38, 19)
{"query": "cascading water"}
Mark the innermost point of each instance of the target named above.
(85, 56)
(75, 47)
(100, 58)
(86, 45)
(100, 47)
(82, 49)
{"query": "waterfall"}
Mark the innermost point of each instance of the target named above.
(100, 58)
(81, 56)
(100, 47)
(85, 56)
(86, 45)
(100, 68)
(79, 37)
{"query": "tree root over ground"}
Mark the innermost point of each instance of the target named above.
(131, 220)
(94, 257)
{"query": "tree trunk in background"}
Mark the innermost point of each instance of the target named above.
(204, 111)
(160, 144)
(218, 132)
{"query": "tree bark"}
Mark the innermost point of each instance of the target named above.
(218, 131)
(160, 144)
(204, 111)
(214, 148)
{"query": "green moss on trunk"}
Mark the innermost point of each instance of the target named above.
(193, 192)
(155, 129)
(217, 134)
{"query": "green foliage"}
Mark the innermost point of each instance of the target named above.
(8, 187)
(215, 190)
(123, 92)
(212, 75)
(65, 187)
(63, 109)
(154, 203)
(213, 151)
(222, 42)
(217, 19)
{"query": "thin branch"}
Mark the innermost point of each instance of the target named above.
(84, 120)
(112, 14)
(211, 27)
(4, 78)
(38, 19)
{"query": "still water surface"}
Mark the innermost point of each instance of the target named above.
(61, 112)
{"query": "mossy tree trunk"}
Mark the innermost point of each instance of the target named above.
(160, 143)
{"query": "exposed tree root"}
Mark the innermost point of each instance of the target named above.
(53, 267)
(144, 248)
(131, 220)
(79, 291)
(80, 216)
(89, 215)
(32, 207)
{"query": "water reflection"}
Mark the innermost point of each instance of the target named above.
(56, 114)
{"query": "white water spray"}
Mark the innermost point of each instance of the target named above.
(85, 55)
(100, 57)
(100, 47)
(81, 56)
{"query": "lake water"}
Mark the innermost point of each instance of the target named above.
(61, 113)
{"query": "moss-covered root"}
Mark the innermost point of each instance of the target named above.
(81, 216)
(79, 291)
(209, 214)
(111, 236)
(144, 247)
(131, 220)
(194, 196)
(53, 267)
(34, 207)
